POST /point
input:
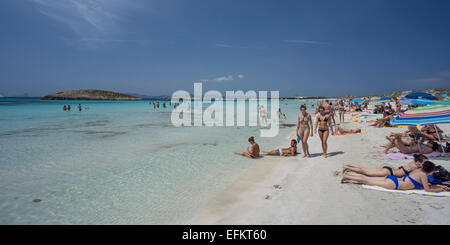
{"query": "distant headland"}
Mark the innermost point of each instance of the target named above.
(89, 94)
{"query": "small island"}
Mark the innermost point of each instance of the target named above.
(89, 94)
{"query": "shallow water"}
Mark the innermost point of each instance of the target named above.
(114, 163)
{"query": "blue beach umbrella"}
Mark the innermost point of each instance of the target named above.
(420, 95)
(422, 102)
(444, 95)
(356, 100)
(385, 98)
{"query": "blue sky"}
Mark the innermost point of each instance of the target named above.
(309, 48)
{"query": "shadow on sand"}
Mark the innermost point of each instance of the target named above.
(330, 154)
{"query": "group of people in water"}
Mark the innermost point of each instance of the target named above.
(157, 104)
(68, 108)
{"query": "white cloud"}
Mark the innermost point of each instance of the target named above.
(91, 20)
(221, 45)
(439, 78)
(306, 42)
(223, 78)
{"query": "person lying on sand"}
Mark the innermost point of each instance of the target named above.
(417, 179)
(415, 138)
(419, 159)
(384, 121)
(291, 151)
(253, 152)
(411, 147)
(413, 133)
(430, 132)
(341, 130)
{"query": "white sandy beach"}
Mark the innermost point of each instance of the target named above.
(298, 190)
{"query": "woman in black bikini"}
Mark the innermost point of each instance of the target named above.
(417, 179)
(323, 122)
(341, 108)
(304, 128)
(419, 159)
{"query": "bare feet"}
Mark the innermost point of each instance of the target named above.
(344, 178)
(344, 168)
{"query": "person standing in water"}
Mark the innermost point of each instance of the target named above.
(79, 107)
(68, 107)
(64, 108)
(323, 123)
(263, 115)
(304, 129)
(253, 152)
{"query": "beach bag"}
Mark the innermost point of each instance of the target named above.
(441, 174)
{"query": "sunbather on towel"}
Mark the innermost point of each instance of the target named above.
(347, 131)
(417, 179)
(410, 147)
(419, 159)
(384, 121)
(412, 132)
(430, 132)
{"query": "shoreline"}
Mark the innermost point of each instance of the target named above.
(296, 190)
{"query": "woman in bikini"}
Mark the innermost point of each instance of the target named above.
(341, 130)
(304, 129)
(430, 132)
(341, 108)
(411, 147)
(417, 179)
(323, 123)
(384, 121)
(419, 159)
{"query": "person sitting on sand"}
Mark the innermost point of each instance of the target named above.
(417, 179)
(347, 131)
(419, 159)
(412, 147)
(291, 151)
(253, 152)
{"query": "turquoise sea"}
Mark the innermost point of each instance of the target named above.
(115, 162)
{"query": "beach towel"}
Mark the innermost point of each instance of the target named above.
(419, 192)
(362, 132)
(395, 127)
(399, 155)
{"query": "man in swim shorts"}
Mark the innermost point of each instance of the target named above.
(291, 151)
